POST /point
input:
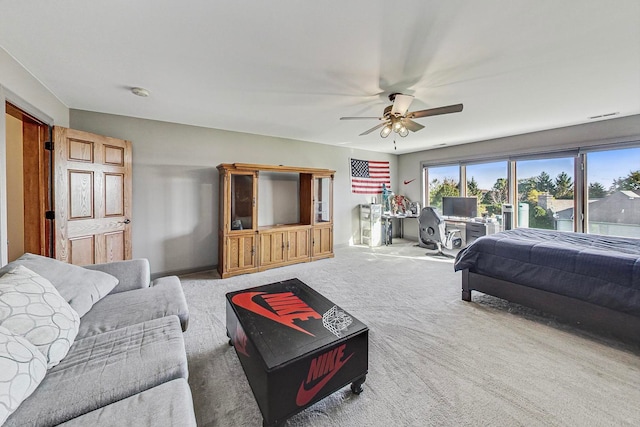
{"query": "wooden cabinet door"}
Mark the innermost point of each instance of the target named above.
(241, 254)
(298, 244)
(92, 176)
(322, 242)
(272, 248)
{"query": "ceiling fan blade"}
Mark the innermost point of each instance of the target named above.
(367, 132)
(401, 104)
(435, 111)
(411, 125)
(360, 118)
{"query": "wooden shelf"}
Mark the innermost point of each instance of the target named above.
(246, 246)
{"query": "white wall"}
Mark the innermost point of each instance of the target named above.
(19, 87)
(175, 182)
(279, 202)
(612, 131)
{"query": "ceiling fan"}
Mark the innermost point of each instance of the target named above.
(396, 117)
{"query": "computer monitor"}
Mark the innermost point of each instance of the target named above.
(464, 207)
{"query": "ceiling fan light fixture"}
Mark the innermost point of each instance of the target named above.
(397, 117)
(385, 131)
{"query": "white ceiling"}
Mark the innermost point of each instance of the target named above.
(292, 68)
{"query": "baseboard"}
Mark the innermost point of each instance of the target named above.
(183, 272)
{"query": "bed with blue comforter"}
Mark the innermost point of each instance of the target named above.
(560, 272)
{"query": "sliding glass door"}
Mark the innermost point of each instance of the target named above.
(442, 181)
(545, 193)
(488, 182)
(613, 183)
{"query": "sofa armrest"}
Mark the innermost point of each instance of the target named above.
(172, 288)
(131, 274)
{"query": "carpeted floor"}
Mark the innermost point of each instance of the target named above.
(433, 358)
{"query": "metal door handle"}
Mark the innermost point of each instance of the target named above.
(126, 221)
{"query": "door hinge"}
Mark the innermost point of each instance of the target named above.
(48, 145)
(50, 215)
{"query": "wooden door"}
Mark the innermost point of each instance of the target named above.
(32, 227)
(92, 181)
(241, 254)
(272, 248)
(322, 242)
(37, 231)
(298, 243)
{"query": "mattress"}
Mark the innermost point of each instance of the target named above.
(603, 270)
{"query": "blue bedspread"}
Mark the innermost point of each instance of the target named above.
(599, 269)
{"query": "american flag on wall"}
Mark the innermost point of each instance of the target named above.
(367, 177)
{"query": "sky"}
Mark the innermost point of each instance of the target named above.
(602, 167)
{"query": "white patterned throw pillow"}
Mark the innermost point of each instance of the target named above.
(22, 368)
(31, 307)
(79, 286)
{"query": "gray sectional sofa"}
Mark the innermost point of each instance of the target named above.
(127, 364)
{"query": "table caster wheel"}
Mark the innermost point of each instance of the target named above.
(356, 386)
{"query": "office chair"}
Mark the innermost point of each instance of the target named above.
(432, 233)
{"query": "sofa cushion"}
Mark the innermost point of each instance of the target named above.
(22, 368)
(131, 273)
(166, 405)
(80, 287)
(105, 368)
(31, 307)
(122, 309)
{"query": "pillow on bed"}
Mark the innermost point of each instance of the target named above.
(22, 368)
(80, 287)
(31, 307)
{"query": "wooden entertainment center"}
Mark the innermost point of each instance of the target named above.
(296, 208)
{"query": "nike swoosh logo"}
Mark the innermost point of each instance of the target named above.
(245, 300)
(409, 182)
(305, 396)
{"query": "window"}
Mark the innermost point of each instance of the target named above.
(442, 181)
(488, 182)
(613, 183)
(605, 199)
(545, 193)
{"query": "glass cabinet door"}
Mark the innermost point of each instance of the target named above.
(243, 202)
(322, 200)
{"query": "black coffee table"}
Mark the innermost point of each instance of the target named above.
(295, 346)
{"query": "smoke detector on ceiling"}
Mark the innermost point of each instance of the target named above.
(139, 91)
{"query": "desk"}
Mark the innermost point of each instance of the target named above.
(470, 229)
(386, 218)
